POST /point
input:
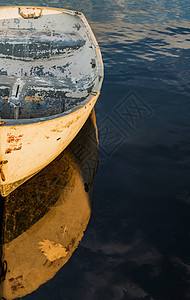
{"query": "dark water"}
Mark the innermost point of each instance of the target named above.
(137, 244)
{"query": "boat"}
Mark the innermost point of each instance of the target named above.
(51, 72)
(45, 219)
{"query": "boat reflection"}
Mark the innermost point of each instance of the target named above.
(45, 219)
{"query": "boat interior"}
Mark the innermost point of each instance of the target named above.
(48, 62)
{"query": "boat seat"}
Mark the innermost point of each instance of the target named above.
(30, 44)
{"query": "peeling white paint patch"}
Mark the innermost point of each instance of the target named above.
(52, 250)
(78, 94)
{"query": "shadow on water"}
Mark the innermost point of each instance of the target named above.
(45, 219)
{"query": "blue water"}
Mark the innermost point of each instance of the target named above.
(137, 244)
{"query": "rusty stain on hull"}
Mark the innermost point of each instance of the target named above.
(9, 150)
(56, 130)
(13, 138)
(14, 142)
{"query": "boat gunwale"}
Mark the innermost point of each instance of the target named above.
(99, 76)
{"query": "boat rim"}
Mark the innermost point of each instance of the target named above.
(99, 78)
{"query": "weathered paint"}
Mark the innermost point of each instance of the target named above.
(5, 98)
(14, 141)
(76, 78)
(35, 150)
(30, 12)
(34, 99)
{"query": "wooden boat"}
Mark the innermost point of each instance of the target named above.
(51, 73)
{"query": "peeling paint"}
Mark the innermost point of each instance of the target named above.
(14, 142)
(16, 44)
(13, 138)
(5, 98)
(56, 130)
(77, 26)
(34, 99)
(9, 150)
(69, 124)
(58, 71)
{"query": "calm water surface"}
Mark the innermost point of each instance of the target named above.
(137, 244)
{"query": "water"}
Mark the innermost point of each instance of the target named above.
(137, 244)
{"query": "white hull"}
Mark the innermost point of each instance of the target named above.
(36, 145)
(28, 145)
